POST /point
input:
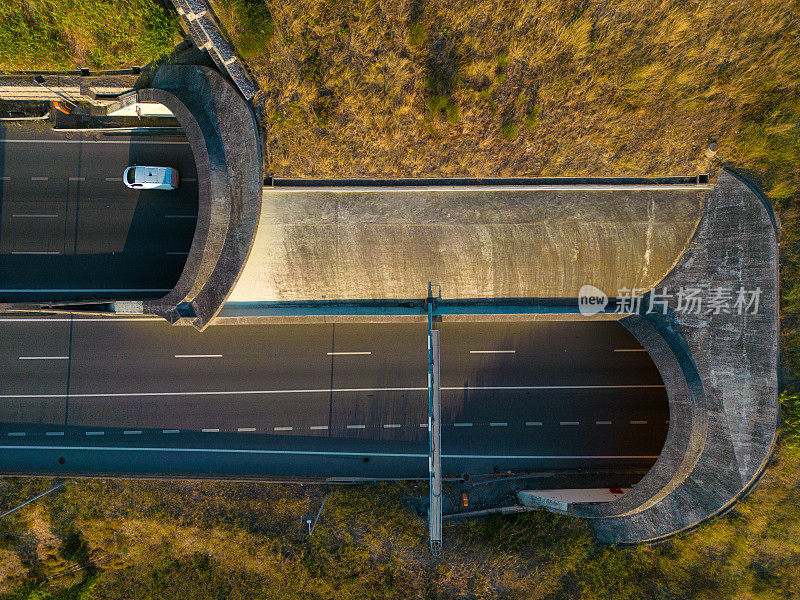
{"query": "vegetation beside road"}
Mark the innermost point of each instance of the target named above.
(68, 34)
(179, 540)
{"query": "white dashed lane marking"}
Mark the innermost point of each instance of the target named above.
(198, 356)
(326, 427)
(492, 351)
(44, 357)
(347, 353)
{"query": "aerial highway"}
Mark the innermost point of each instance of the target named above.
(69, 228)
(138, 396)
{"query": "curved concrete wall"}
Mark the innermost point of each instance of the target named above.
(720, 371)
(224, 138)
(510, 242)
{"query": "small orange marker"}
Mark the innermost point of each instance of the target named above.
(464, 500)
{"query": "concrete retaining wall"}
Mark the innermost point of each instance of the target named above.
(506, 243)
(721, 375)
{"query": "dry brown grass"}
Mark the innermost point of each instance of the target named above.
(536, 88)
(209, 540)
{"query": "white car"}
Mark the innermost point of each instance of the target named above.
(151, 178)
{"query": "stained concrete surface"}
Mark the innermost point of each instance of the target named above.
(723, 391)
(516, 242)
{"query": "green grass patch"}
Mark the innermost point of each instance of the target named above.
(249, 23)
(65, 34)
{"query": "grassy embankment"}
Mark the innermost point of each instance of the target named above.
(99, 34)
(490, 88)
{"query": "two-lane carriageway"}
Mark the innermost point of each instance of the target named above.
(69, 228)
(138, 396)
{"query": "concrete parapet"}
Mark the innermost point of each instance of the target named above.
(720, 371)
(223, 135)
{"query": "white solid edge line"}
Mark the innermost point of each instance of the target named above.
(326, 391)
(78, 319)
(164, 143)
(44, 357)
(323, 453)
(347, 353)
(492, 351)
(65, 290)
(198, 356)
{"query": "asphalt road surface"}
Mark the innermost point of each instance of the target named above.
(71, 230)
(138, 396)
